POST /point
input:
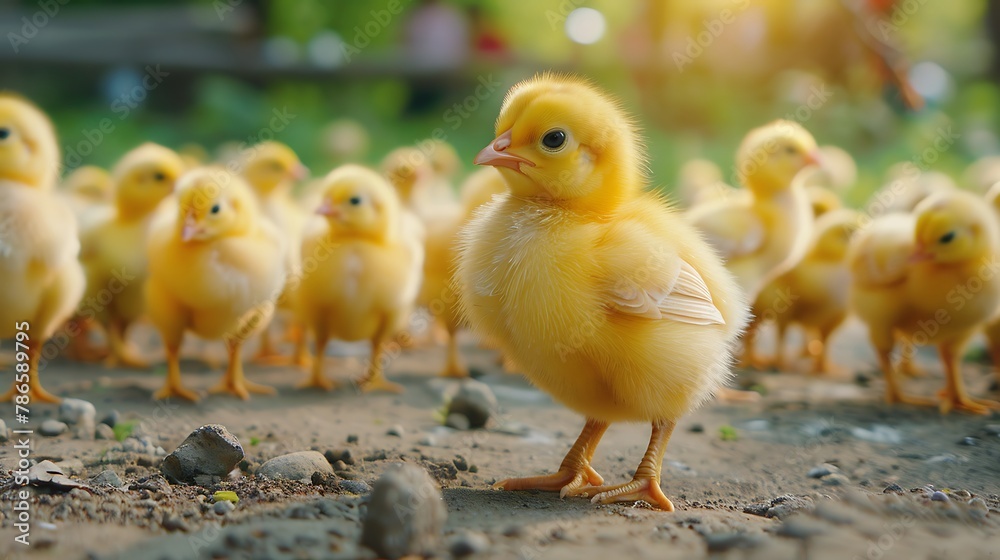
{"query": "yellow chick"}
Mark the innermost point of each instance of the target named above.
(905, 187)
(89, 191)
(113, 251)
(41, 278)
(992, 330)
(366, 275)
(438, 291)
(764, 235)
(822, 201)
(700, 181)
(814, 294)
(838, 170)
(982, 174)
(272, 169)
(215, 269)
(606, 297)
(927, 277)
(445, 166)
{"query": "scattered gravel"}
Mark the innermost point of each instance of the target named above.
(467, 543)
(107, 478)
(208, 454)
(822, 470)
(395, 431)
(103, 431)
(111, 419)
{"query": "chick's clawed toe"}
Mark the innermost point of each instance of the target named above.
(569, 481)
(644, 489)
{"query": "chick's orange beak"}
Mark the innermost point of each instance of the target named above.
(300, 172)
(190, 229)
(814, 158)
(920, 254)
(326, 208)
(496, 155)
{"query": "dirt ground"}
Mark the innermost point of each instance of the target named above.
(738, 474)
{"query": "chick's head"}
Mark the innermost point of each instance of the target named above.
(444, 159)
(772, 155)
(559, 138)
(90, 183)
(833, 233)
(29, 151)
(144, 177)
(954, 227)
(270, 166)
(358, 201)
(406, 168)
(213, 203)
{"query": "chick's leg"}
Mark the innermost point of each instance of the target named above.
(122, 352)
(893, 389)
(453, 366)
(234, 380)
(374, 379)
(36, 392)
(575, 473)
(954, 396)
(907, 365)
(316, 379)
(173, 386)
(645, 484)
(778, 362)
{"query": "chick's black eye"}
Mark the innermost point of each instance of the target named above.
(355, 200)
(790, 150)
(947, 238)
(159, 176)
(4, 133)
(215, 209)
(554, 139)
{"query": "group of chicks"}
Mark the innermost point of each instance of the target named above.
(220, 249)
(619, 305)
(917, 267)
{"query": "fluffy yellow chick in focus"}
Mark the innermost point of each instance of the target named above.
(814, 294)
(700, 181)
(41, 277)
(927, 277)
(272, 169)
(215, 269)
(367, 275)
(89, 191)
(113, 251)
(606, 297)
(764, 235)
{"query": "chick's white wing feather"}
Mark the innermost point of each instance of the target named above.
(729, 227)
(675, 291)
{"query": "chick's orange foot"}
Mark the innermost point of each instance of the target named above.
(379, 383)
(967, 404)
(172, 390)
(568, 481)
(35, 392)
(646, 489)
(242, 388)
(317, 380)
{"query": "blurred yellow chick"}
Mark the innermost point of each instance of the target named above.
(992, 330)
(41, 278)
(366, 276)
(113, 251)
(89, 191)
(606, 297)
(929, 278)
(700, 181)
(905, 187)
(215, 269)
(814, 294)
(764, 235)
(272, 169)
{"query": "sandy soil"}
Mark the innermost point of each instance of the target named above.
(746, 498)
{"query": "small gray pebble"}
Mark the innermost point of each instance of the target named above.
(835, 479)
(111, 419)
(460, 463)
(52, 428)
(426, 440)
(395, 431)
(469, 542)
(223, 507)
(103, 431)
(939, 496)
(352, 438)
(822, 470)
(359, 487)
(457, 421)
(969, 441)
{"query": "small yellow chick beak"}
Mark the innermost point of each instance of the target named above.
(496, 155)
(190, 229)
(327, 209)
(300, 172)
